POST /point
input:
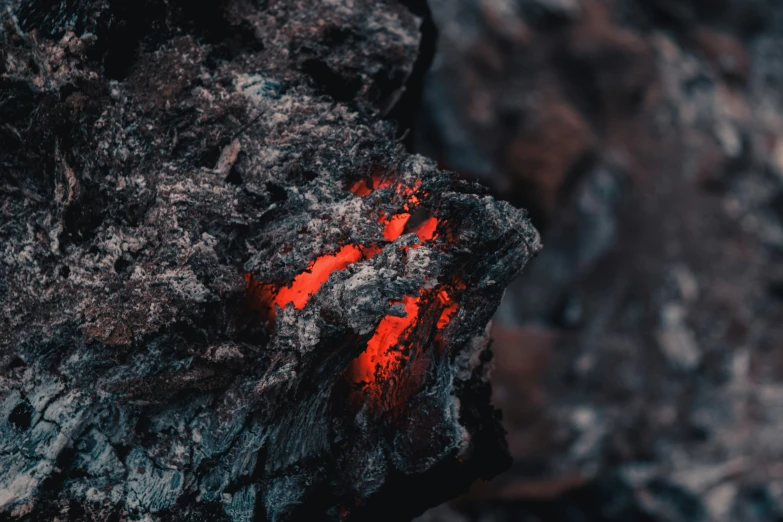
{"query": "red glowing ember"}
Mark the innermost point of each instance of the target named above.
(449, 309)
(380, 354)
(309, 282)
(395, 226)
(365, 188)
(426, 229)
(382, 359)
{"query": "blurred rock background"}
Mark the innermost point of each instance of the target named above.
(639, 360)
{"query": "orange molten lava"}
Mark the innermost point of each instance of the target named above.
(450, 307)
(369, 251)
(365, 188)
(395, 226)
(308, 282)
(380, 355)
(377, 369)
(260, 296)
(426, 229)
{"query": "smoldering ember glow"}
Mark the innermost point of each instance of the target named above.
(382, 359)
(228, 293)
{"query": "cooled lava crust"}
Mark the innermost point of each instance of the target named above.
(227, 291)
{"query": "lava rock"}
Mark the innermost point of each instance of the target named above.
(227, 291)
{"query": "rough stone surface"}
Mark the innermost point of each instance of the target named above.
(167, 171)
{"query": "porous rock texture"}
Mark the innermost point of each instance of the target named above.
(227, 291)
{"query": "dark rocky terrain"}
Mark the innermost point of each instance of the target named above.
(639, 358)
(227, 292)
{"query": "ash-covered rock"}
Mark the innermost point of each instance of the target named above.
(226, 292)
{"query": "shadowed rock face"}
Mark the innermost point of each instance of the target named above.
(226, 292)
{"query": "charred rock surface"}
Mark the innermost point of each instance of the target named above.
(227, 293)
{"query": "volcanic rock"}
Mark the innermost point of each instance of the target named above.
(226, 291)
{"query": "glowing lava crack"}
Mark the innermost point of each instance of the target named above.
(385, 352)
